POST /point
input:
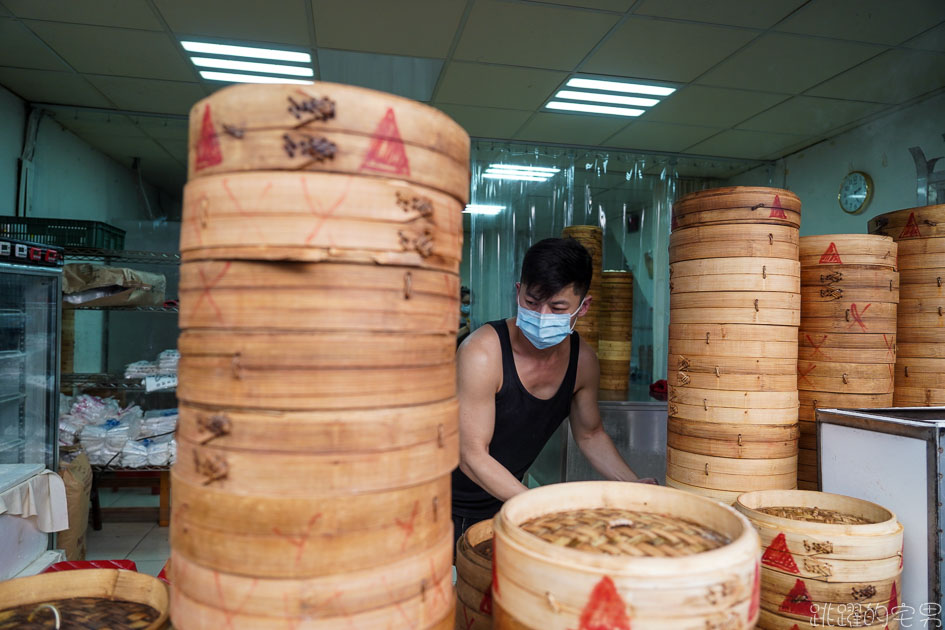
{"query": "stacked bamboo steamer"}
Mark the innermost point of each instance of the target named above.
(920, 362)
(318, 420)
(734, 315)
(616, 555)
(616, 329)
(474, 578)
(828, 560)
(847, 340)
(591, 237)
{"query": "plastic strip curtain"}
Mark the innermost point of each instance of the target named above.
(628, 195)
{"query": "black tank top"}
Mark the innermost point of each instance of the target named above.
(523, 424)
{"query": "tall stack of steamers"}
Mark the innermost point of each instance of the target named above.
(732, 368)
(318, 422)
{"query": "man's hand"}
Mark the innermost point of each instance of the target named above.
(648, 480)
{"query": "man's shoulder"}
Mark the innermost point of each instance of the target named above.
(482, 343)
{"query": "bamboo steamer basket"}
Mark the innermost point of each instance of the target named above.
(729, 241)
(540, 585)
(810, 401)
(922, 306)
(420, 611)
(773, 621)
(320, 597)
(720, 366)
(703, 412)
(810, 294)
(833, 559)
(339, 431)
(727, 473)
(591, 238)
(921, 372)
(473, 579)
(733, 441)
(921, 342)
(808, 439)
(731, 382)
(317, 296)
(828, 283)
(759, 302)
(737, 205)
(927, 281)
(735, 274)
(923, 320)
(846, 348)
(735, 315)
(327, 127)
(807, 457)
(732, 340)
(848, 249)
(871, 607)
(615, 348)
(260, 471)
(849, 317)
(911, 223)
(105, 584)
(918, 397)
(850, 378)
(317, 216)
(733, 399)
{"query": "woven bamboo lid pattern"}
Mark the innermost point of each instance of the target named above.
(624, 533)
(815, 515)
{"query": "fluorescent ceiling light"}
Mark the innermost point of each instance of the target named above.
(521, 178)
(246, 51)
(594, 109)
(482, 209)
(520, 173)
(597, 97)
(524, 169)
(233, 77)
(249, 66)
(620, 86)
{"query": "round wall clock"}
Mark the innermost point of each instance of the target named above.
(856, 190)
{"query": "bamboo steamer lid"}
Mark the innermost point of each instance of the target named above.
(848, 249)
(474, 578)
(846, 347)
(320, 216)
(733, 399)
(735, 274)
(921, 372)
(922, 246)
(647, 592)
(327, 127)
(918, 397)
(337, 431)
(420, 611)
(319, 597)
(911, 223)
(729, 241)
(733, 441)
(703, 412)
(719, 366)
(810, 401)
(330, 473)
(849, 317)
(737, 204)
(317, 296)
(850, 378)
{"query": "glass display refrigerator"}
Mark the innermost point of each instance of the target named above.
(30, 312)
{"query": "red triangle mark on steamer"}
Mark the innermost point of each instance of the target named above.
(798, 602)
(386, 154)
(208, 146)
(777, 212)
(893, 599)
(911, 230)
(605, 609)
(778, 556)
(831, 256)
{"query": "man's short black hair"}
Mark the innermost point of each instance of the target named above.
(553, 264)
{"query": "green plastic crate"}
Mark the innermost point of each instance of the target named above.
(63, 232)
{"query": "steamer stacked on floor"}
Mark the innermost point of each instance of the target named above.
(474, 578)
(318, 423)
(591, 237)
(732, 368)
(847, 341)
(616, 328)
(920, 362)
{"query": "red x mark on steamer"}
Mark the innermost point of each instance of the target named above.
(817, 347)
(857, 315)
(209, 285)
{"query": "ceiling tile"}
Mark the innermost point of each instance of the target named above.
(934, 39)
(4, 12)
(20, 48)
(571, 128)
(712, 107)
(419, 28)
(176, 148)
(745, 144)
(893, 77)
(787, 63)
(162, 128)
(708, 167)
(93, 124)
(748, 13)
(411, 77)
(497, 86)
(531, 35)
(604, 5)
(149, 95)
(43, 86)
(645, 48)
(123, 148)
(878, 21)
(276, 21)
(809, 115)
(486, 122)
(102, 50)
(656, 136)
(124, 13)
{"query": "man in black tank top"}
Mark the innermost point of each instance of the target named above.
(519, 378)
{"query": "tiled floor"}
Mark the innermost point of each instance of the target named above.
(145, 543)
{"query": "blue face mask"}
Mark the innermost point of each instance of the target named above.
(544, 330)
(464, 309)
